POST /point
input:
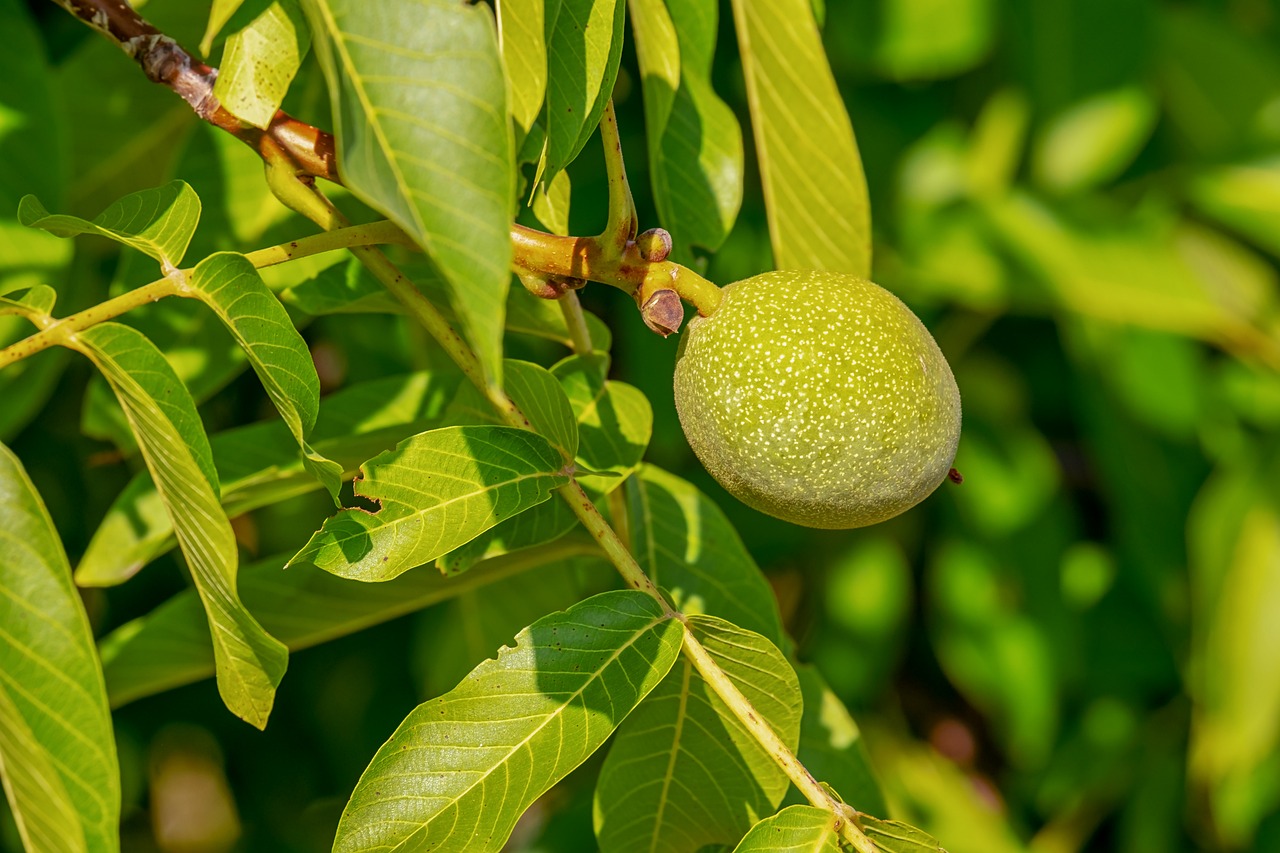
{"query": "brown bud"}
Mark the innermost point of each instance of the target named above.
(663, 312)
(654, 245)
(955, 476)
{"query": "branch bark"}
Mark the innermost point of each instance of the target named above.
(309, 150)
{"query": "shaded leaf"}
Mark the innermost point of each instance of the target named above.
(419, 100)
(814, 189)
(539, 525)
(687, 546)
(158, 222)
(437, 490)
(229, 284)
(831, 747)
(535, 390)
(584, 47)
(529, 315)
(57, 749)
(169, 647)
(551, 203)
(260, 61)
(683, 771)
(160, 411)
(795, 829)
(539, 710)
(894, 836)
(614, 419)
(1094, 140)
(260, 464)
(695, 143)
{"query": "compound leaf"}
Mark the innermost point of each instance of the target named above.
(57, 750)
(687, 546)
(683, 771)
(528, 717)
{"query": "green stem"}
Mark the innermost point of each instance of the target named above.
(64, 330)
(623, 224)
(372, 234)
(576, 321)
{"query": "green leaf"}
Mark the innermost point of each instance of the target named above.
(795, 829)
(158, 222)
(529, 315)
(35, 303)
(535, 390)
(229, 284)
(584, 48)
(437, 490)
(615, 420)
(57, 749)
(169, 647)
(1245, 197)
(687, 546)
(219, 13)
(346, 288)
(683, 771)
(160, 411)
(831, 747)
(894, 836)
(419, 100)
(469, 627)
(535, 713)
(522, 35)
(814, 189)
(539, 525)
(259, 464)
(260, 61)
(695, 143)
(1095, 140)
(551, 203)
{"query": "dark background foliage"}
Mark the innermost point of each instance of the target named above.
(1075, 649)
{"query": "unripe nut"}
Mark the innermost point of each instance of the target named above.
(654, 245)
(818, 398)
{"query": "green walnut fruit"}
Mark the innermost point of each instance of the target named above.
(818, 398)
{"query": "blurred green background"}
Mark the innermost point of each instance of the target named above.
(1076, 649)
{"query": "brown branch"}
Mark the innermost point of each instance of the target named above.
(309, 150)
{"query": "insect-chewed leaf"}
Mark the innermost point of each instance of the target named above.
(795, 829)
(687, 546)
(419, 99)
(158, 222)
(814, 188)
(260, 60)
(169, 433)
(584, 46)
(228, 283)
(259, 464)
(615, 420)
(57, 750)
(695, 143)
(544, 404)
(894, 836)
(461, 769)
(169, 647)
(683, 772)
(831, 747)
(437, 491)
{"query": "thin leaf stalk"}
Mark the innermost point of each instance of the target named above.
(576, 322)
(622, 224)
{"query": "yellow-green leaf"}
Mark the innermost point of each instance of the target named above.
(260, 61)
(795, 829)
(814, 190)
